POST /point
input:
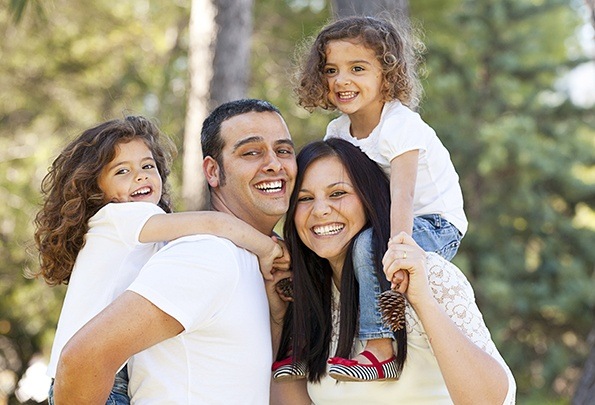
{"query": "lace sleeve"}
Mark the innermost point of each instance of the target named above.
(454, 294)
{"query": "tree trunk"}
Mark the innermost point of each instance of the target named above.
(232, 52)
(585, 391)
(202, 34)
(591, 6)
(219, 51)
(344, 8)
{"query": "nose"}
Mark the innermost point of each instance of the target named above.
(344, 79)
(140, 176)
(321, 208)
(272, 162)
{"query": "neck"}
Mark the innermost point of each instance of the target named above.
(337, 268)
(264, 224)
(364, 122)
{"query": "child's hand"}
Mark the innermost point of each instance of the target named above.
(283, 261)
(268, 256)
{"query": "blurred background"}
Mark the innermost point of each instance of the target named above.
(509, 88)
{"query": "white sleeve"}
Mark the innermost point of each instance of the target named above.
(402, 133)
(454, 294)
(129, 218)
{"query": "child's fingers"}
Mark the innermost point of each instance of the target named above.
(402, 238)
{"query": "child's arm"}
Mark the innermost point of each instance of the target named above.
(166, 227)
(403, 175)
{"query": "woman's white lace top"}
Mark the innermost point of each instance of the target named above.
(421, 381)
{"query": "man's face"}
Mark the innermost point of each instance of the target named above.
(260, 168)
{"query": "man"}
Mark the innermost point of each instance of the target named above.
(197, 315)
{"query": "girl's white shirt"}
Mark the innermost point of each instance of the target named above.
(400, 130)
(110, 260)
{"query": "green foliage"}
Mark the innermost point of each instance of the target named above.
(524, 154)
(274, 61)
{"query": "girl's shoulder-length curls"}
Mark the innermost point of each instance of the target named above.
(393, 38)
(72, 194)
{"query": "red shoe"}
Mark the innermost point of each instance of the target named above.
(286, 370)
(351, 370)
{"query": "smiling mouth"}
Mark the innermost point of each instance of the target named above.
(141, 192)
(346, 95)
(270, 186)
(326, 230)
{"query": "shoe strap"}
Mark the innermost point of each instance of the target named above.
(368, 355)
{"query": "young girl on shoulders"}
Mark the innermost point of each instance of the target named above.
(106, 212)
(366, 68)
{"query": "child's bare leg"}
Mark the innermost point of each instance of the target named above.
(381, 348)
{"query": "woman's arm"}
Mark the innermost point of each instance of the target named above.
(166, 227)
(471, 374)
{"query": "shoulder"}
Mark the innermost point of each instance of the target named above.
(446, 275)
(397, 113)
(338, 128)
(205, 250)
(128, 210)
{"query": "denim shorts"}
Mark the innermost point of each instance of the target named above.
(435, 234)
(118, 395)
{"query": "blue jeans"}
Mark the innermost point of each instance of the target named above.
(431, 232)
(118, 395)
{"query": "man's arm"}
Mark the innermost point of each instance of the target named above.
(91, 358)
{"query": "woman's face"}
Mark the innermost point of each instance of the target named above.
(329, 212)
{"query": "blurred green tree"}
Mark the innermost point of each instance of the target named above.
(525, 156)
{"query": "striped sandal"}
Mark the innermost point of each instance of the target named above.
(351, 370)
(286, 370)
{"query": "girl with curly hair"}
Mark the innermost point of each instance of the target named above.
(365, 68)
(107, 210)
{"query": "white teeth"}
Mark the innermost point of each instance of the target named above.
(270, 187)
(347, 94)
(141, 191)
(328, 229)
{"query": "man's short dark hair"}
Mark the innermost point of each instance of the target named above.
(212, 142)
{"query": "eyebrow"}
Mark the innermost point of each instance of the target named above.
(253, 139)
(351, 62)
(127, 162)
(338, 183)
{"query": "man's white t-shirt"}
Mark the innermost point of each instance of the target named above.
(216, 291)
(105, 266)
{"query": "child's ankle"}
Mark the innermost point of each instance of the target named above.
(381, 348)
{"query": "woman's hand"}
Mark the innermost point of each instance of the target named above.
(404, 254)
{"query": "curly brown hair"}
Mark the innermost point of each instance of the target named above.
(72, 194)
(396, 47)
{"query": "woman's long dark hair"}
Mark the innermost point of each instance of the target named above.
(308, 324)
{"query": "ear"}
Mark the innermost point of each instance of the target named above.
(210, 167)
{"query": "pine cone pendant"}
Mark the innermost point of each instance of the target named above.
(392, 307)
(286, 287)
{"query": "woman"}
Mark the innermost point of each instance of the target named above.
(331, 204)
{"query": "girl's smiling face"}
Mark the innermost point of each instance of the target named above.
(329, 213)
(132, 175)
(354, 78)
